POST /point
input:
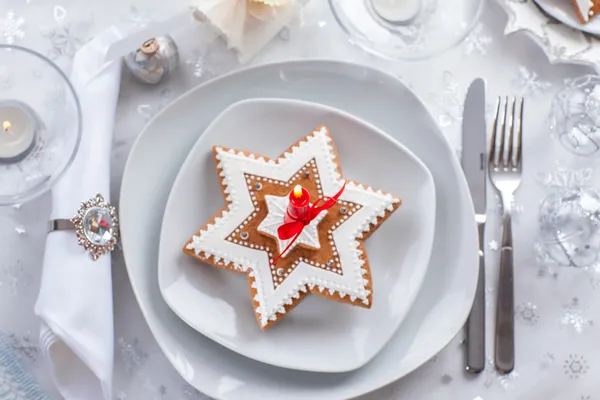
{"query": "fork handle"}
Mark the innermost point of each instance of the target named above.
(475, 362)
(505, 314)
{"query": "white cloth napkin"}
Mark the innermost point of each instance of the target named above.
(75, 299)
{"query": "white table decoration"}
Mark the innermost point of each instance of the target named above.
(556, 327)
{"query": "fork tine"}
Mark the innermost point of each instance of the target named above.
(492, 152)
(503, 135)
(511, 134)
(520, 135)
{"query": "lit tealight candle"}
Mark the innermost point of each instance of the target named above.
(299, 201)
(297, 192)
(18, 133)
(397, 11)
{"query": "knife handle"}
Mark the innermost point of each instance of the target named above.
(475, 360)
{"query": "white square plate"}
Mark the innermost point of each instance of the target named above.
(446, 295)
(318, 335)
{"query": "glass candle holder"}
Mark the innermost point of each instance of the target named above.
(40, 124)
(407, 29)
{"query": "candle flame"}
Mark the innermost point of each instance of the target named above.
(6, 126)
(298, 191)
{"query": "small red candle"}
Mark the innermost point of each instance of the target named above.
(298, 206)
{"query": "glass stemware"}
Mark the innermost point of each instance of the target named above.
(407, 29)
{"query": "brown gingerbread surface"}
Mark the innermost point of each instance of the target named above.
(586, 15)
(326, 257)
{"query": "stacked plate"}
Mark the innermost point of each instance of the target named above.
(565, 12)
(423, 259)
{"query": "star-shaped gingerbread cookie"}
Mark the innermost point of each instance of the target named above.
(328, 258)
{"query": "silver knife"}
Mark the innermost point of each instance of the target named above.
(474, 167)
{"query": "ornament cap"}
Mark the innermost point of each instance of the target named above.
(150, 47)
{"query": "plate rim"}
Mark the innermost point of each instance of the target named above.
(571, 23)
(352, 68)
(370, 130)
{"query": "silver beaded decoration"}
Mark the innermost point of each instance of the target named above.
(258, 186)
(154, 60)
(343, 210)
(280, 271)
(244, 235)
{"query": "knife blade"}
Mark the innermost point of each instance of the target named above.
(474, 166)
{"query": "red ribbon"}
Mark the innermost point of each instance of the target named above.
(294, 228)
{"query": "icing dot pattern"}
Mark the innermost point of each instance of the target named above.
(247, 234)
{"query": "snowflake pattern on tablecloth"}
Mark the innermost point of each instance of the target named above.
(132, 354)
(150, 110)
(575, 366)
(548, 360)
(66, 39)
(478, 41)
(573, 315)
(138, 19)
(527, 312)
(450, 100)
(529, 82)
(11, 28)
(565, 178)
(198, 66)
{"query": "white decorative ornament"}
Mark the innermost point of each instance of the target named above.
(560, 43)
(277, 209)
(247, 25)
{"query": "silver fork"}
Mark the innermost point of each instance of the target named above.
(505, 168)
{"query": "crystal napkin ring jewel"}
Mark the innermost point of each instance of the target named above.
(96, 225)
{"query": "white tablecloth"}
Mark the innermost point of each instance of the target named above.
(557, 351)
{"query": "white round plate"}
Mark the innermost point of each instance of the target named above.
(318, 335)
(443, 303)
(564, 11)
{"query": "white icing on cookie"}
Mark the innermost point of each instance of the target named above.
(585, 8)
(212, 241)
(277, 207)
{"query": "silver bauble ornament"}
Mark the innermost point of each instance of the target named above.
(154, 60)
(569, 221)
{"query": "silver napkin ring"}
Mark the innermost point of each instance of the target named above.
(96, 225)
